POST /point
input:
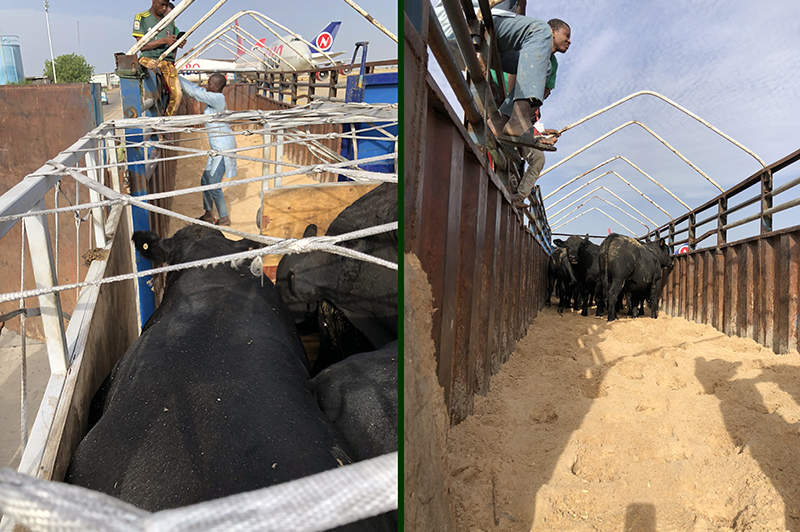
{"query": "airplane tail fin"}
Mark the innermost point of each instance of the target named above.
(323, 42)
(239, 47)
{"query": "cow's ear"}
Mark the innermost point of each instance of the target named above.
(662, 243)
(152, 247)
(311, 230)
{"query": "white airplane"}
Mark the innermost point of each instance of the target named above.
(293, 54)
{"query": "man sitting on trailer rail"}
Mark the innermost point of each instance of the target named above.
(534, 42)
(220, 137)
(146, 20)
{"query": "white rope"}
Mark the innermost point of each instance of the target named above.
(281, 247)
(312, 504)
(24, 360)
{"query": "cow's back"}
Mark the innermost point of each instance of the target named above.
(213, 399)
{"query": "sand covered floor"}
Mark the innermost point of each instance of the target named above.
(242, 201)
(639, 425)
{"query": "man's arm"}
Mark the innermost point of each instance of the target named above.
(214, 100)
(522, 5)
(169, 41)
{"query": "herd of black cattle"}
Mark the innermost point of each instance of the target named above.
(217, 396)
(619, 268)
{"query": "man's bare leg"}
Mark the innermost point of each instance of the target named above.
(520, 120)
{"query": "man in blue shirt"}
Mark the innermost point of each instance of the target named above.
(220, 137)
(526, 46)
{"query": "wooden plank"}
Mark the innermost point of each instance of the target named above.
(748, 291)
(449, 292)
(699, 290)
(487, 303)
(768, 295)
(719, 290)
(477, 337)
(732, 303)
(96, 346)
(495, 309)
(516, 287)
(710, 300)
(793, 339)
(463, 355)
(505, 280)
(682, 287)
(287, 211)
(782, 286)
(432, 229)
(691, 282)
(510, 286)
(447, 357)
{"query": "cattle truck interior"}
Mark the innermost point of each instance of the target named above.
(520, 416)
(113, 265)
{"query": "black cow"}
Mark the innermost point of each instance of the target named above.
(561, 277)
(583, 255)
(359, 395)
(338, 338)
(213, 398)
(366, 293)
(628, 265)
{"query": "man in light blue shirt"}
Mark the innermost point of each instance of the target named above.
(220, 137)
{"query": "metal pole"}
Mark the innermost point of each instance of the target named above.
(367, 16)
(52, 59)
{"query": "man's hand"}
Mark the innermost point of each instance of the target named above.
(492, 3)
(552, 132)
(169, 40)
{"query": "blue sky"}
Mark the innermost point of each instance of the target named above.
(105, 27)
(733, 63)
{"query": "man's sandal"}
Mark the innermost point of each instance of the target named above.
(529, 139)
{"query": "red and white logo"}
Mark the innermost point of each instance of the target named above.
(324, 41)
(683, 249)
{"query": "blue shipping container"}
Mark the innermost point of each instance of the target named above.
(377, 88)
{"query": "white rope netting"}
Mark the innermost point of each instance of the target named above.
(295, 118)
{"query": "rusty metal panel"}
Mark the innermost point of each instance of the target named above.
(447, 357)
(37, 122)
(749, 289)
(782, 298)
(485, 270)
(793, 339)
(719, 290)
(502, 288)
(708, 293)
(505, 324)
(433, 225)
(688, 295)
(477, 341)
(486, 303)
(463, 355)
(731, 291)
(515, 284)
(495, 300)
(768, 299)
